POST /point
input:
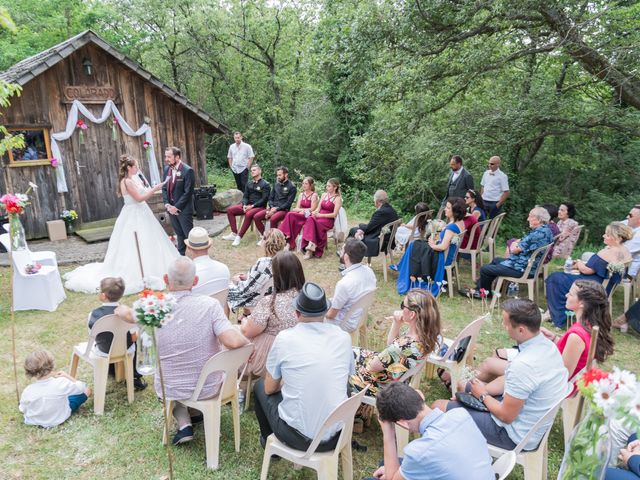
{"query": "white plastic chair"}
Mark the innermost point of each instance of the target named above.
(338, 232)
(118, 353)
(45, 257)
(221, 296)
(503, 466)
(229, 362)
(478, 231)
(534, 462)
(324, 463)
(362, 303)
(385, 251)
(605, 284)
(492, 235)
(454, 367)
(449, 269)
(38, 291)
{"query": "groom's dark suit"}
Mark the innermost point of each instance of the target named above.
(178, 191)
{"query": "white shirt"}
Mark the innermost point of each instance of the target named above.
(315, 361)
(633, 246)
(494, 184)
(356, 280)
(213, 276)
(240, 156)
(45, 402)
(455, 175)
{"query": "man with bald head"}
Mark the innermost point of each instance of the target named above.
(495, 187)
(369, 233)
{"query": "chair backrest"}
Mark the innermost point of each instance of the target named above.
(228, 362)
(539, 252)
(341, 225)
(547, 418)
(21, 258)
(494, 226)
(456, 241)
(478, 230)
(420, 216)
(5, 240)
(117, 327)
(386, 239)
(344, 414)
(221, 296)
(611, 288)
(363, 302)
(440, 212)
(503, 466)
(472, 330)
(412, 376)
(7, 227)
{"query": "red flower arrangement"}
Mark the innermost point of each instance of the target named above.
(146, 145)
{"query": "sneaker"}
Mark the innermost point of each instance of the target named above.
(308, 254)
(260, 243)
(183, 436)
(231, 237)
(393, 267)
(196, 419)
(236, 241)
(139, 384)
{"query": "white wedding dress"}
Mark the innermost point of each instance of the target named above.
(121, 260)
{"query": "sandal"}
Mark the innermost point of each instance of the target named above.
(445, 377)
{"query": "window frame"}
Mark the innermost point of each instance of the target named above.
(31, 163)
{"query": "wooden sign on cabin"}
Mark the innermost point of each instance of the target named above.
(89, 94)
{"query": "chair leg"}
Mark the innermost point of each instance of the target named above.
(73, 368)
(100, 374)
(454, 372)
(402, 439)
(534, 465)
(473, 267)
(235, 412)
(531, 289)
(266, 460)
(494, 297)
(363, 332)
(450, 281)
(165, 431)
(457, 276)
(247, 393)
(212, 433)
(128, 374)
(346, 458)
(384, 267)
(119, 369)
(328, 470)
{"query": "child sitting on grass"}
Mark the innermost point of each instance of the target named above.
(52, 398)
(111, 291)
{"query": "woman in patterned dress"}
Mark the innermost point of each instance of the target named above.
(569, 231)
(321, 220)
(274, 312)
(419, 311)
(294, 220)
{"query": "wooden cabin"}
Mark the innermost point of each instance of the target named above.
(88, 69)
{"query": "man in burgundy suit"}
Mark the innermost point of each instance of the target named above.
(177, 194)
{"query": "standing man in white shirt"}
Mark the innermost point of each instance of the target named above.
(240, 157)
(495, 187)
(633, 245)
(357, 279)
(213, 276)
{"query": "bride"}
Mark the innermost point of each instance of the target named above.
(121, 260)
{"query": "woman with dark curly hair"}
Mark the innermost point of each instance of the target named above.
(569, 231)
(423, 263)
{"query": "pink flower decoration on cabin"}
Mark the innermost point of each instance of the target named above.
(54, 162)
(146, 145)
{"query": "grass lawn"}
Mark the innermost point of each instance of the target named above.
(125, 441)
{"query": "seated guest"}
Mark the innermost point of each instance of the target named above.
(111, 291)
(600, 266)
(198, 330)
(254, 201)
(535, 380)
(369, 233)
(273, 313)
(519, 253)
(419, 312)
(469, 221)
(633, 245)
(294, 220)
(555, 230)
(588, 300)
(321, 220)
(569, 231)
(357, 279)
(307, 370)
(422, 264)
(404, 231)
(213, 276)
(246, 287)
(630, 317)
(475, 205)
(630, 458)
(450, 446)
(54, 396)
(281, 198)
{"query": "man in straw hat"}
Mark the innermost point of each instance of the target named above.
(213, 276)
(307, 372)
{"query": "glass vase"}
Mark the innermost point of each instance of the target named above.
(16, 232)
(588, 451)
(146, 352)
(70, 228)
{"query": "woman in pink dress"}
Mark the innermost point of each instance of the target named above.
(294, 220)
(314, 233)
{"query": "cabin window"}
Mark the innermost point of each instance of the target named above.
(36, 151)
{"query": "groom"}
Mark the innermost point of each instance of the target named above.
(177, 194)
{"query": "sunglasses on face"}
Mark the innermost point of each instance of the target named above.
(403, 306)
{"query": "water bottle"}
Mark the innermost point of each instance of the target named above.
(568, 265)
(512, 290)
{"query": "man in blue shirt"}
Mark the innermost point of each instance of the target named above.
(451, 446)
(519, 252)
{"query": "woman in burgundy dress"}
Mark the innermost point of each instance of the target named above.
(314, 233)
(294, 220)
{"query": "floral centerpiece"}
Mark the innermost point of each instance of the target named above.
(153, 310)
(114, 130)
(82, 126)
(14, 205)
(608, 396)
(69, 217)
(147, 148)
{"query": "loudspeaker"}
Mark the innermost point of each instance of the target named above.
(204, 207)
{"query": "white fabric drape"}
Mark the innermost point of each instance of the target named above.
(109, 109)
